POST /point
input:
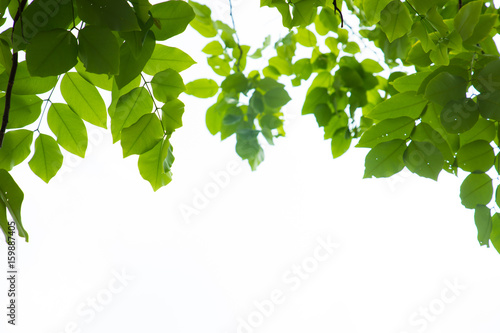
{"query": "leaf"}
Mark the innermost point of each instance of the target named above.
(84, 99)
(25, 84)
(445, 87)
(373, 9)
(51, 53)
(99, 50)
(202, 88)
(117, 15)
(482, 218)
(167, 85)
(276, 97)
(165, 57)
(236, 82)
(341, 141)
(47, 159)
(489, 105)
(142, 136)
(482, 130)
(12, 197)
(385, 159)
(387, 130)
(495, 231)
(172, 115)
(213, 48)
(129, 109)
(69, 128)
(467, 18)
(203, 22)
(423, 132)
(151, 165)
(395, 20)
(477, 156)
(24, 110)
(407, 104)
(476, 189)
(459, 116)
(172, 18)
(131, 66)
(16, 148)
(318, 95)
(424, 159)
(409, 82)
(305, 37)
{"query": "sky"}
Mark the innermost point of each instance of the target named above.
(302, 244)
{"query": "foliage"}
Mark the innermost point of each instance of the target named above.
(434, 105)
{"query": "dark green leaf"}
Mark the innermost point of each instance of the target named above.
(477, 156)
(476, 189)
(385, 159)
(12, 197)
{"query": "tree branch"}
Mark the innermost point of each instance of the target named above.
(12, 76)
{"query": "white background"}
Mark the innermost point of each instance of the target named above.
(402, 241)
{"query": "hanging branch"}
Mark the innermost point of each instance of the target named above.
(337, 9)
(237, 38)
(12, 76)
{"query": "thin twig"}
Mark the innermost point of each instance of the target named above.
(337, 9)
(236, 34)
(12, 76)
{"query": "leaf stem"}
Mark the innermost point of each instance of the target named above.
(238, 62)
(12, 76)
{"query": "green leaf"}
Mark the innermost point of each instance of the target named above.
(373, 9)
(12, 197)
(171, 17)
(387, 130)
(151, 165)
(84, 99)
(203, 22)
(131, 66)
(202, 88)
(129, 109)
(467, 18)
(482, 29)
(328, 19)
(423, 132)
(117, 15)
(24, 110)
(495, 232)
(69, 129)
(276, 97)
(482, 130)
(16, 147)
(489, 105)
(371, 66)
(341, 141)
(47, 159)
(213, 119)
(476, 189)
(165, 57)
(445, 87)
(171, 115)
(167, 85)
(482, 218)
(385, 159)
(51, 53)
(424, 159)
(236, 82)
(395, 20)
(142, 136)
(409, 82)
(25, 84)
(306, 37)
(99, 80)
(407, 104)
(459, 116)
(213, 48)
(99, 50)
(318, 95)
(477, 156)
